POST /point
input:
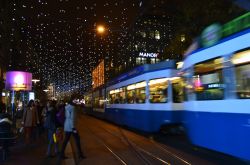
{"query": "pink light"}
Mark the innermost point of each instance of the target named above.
(18, 80)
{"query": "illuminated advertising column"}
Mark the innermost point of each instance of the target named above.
(17, 81)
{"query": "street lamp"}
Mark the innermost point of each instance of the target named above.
(100, 29)
(35, 80)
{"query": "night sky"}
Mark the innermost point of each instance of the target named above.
(57, 39)
(62, 42)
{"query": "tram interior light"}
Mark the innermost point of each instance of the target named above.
(241, 57)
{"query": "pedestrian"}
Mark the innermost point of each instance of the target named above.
(60, 115)
(51, 125)
(29, 120)
(39, 112)
(2, 107)
(70, 129)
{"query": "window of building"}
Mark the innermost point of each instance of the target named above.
(143, 60)
(136, 47)
(152, 61)
(207, 80)
(242, 73)
(157, 35)
(151, 34)
(158, 90)
(138, 60)
(140, 92)
(143, 34)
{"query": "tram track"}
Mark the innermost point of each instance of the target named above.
(99, 139)
(137, 151)
(136, 147)
(141, 151)
(146, 156)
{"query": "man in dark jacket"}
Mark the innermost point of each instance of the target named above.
(51, 125)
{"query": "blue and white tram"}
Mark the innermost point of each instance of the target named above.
(146, 98)
(217, 106)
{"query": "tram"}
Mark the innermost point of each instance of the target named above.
(146, 98)
(217, 80)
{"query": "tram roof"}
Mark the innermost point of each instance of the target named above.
(171, 64)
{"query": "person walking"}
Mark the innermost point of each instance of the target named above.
(51, 125)
(29, 120)
(70, 129)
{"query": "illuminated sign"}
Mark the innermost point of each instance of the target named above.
(211, 35)
(215, 32)
(149, 55)
(236, 25)
(31, 96)
(18, 80)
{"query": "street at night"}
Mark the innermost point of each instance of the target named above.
(124, 82)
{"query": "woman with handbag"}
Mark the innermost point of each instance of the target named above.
(30, 120)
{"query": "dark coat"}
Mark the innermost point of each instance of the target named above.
(50, 119)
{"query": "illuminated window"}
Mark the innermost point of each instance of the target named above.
(177, 89)
(138, 60)
(207, 80)
(143, 34)
(158, 90)
(143, 60)
(140, 92)
(152, 60)
(112, 96)
(130, 94)
(157, 35)
(122, 95)
(242, 70)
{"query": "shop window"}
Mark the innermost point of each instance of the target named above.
(152, 61)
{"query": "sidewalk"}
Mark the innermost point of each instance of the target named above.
(33, 154)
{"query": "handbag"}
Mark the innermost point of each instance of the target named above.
(58, 135)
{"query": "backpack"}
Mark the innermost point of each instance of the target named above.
(60, 116)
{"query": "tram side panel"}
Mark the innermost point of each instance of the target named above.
(217, 107)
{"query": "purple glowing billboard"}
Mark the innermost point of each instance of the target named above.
(18, 80)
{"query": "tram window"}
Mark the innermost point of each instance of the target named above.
(122, 95)
(88, 100)
(158, 90)
(207, 80)
(96, 102)
(243, 81)
(242, 69)
(130, 94)
(140, 92)
(112, 96)
(177, 87)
